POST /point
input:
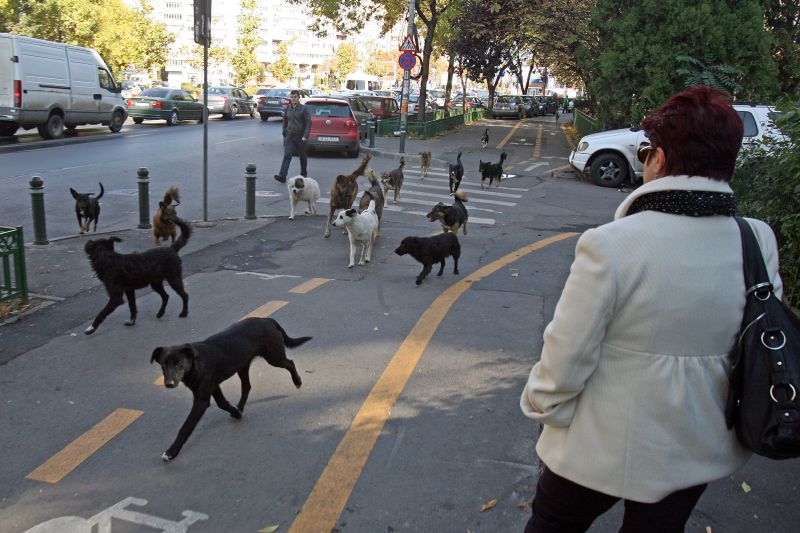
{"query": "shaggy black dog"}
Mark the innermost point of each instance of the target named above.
(122, 274)
(430, 250)
(456, 173)
(453, 216)
(202, 366)
(87, 209)
(492, 171)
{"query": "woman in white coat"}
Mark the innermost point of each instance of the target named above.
(632, 380)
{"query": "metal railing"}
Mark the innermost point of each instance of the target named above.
(435, 122)
(12, 257)
(584, 124)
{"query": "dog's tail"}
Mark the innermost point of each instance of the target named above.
(458, 159)
(186, 232)
(461, 195)
(288, 341)
(373, 179)
(102, 190)
(172, 194)
(502, 157)
(363, 166)
(402, 162)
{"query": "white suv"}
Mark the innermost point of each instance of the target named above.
(611, 155)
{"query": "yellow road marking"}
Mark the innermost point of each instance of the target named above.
(68, 459)
(537, 148)
(265, 310)
(562, 167)
(309, 285)
(508, 137)
(324, 505)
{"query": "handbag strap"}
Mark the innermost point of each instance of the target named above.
(755, 271)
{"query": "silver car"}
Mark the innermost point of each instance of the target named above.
(230, 101)
(509, 106)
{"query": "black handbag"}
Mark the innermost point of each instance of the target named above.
(763, 403)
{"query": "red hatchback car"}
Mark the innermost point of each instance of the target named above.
(333, 126)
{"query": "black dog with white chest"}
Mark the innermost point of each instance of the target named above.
(453, 216)
(430, 250)
(202, 366)
(87, 209)
(456, 172)
(122, 274)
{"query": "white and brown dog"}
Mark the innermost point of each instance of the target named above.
(303, 190)
(361, 228)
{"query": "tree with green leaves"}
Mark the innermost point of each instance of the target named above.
(696, 72)
(345, 60)
(244, 62)
(782, 19)
(282, 69)
(635, 67)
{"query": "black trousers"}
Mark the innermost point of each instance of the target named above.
(293, 147)
(561, 506)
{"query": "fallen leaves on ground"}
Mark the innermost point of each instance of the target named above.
(269, 529)
(488, 505)
(745, 487)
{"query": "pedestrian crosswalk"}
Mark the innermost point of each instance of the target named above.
(484, 205)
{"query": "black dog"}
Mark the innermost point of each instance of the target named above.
(122, 274)
(430, 250)
(456, 173)
(492, 171)
(87, 209)
(453, 216)
(202, 366)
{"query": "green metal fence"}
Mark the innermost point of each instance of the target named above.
(435, 122)
(583, 123)
(12, 256)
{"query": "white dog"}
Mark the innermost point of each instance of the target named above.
(303, 190)
(361, 228)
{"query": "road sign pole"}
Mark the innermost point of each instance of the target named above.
(404, 95)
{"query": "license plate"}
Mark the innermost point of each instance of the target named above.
(142, 104)
(273, 101)
(328, 139)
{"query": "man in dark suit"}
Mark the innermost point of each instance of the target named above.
(296, 128)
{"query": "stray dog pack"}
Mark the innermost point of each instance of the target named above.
(344, 191)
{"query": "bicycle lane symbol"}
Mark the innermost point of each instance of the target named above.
(102, 520)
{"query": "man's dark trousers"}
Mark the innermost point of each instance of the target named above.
(294, 146)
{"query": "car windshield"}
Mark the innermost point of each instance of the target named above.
(505, 99)
(328, 109)
(155, 93)
(277, 92)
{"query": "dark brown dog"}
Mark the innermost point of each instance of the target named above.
(344, 191)
(122, 274)
(430, 250)
(393, 180)
(202, 366)
(453, 216)
(87, 209)
(375, 192)
(163, 221)
(424, 163)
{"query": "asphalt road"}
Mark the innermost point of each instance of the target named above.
(408, 418)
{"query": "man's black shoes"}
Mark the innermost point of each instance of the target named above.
(279, 178)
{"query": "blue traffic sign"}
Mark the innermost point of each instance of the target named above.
(407, 60)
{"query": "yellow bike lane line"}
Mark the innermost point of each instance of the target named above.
(327, 499)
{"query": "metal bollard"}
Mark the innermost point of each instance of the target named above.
(37, 207)
(250, 192)
(144, 198)
(371, 129)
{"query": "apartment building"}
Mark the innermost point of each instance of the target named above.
(280, 22)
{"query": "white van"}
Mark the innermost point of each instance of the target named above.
(362, 82)
(52, 86)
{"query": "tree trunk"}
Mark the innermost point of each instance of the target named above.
(427, 49)
(451, 67)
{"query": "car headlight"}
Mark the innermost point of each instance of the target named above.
(583, 146)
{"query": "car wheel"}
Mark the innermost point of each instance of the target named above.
(53, 128)
(138, 120)
(7, 130)
(117, 120)
(609, 170)
(234, 111)
(173, 118)
(354, 153)
(253, 112)
(264, 117)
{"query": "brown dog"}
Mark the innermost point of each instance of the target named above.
(375, 192)
(424, 163)
(393, 180)
(344, 191)
(163, 220)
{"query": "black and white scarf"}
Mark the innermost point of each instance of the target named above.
(689, 203)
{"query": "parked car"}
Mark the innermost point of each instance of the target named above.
(230, 101)
(611, 158)
(437, 97)
(548, 105)
(473, 102)
(272, 102)
(413, 102)
(382, 107)
(171, 105)
(333, 126)
(531, 105)
(129, 88)
(360, 110)
(509, 105)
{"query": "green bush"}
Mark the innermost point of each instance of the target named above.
(767, 186)
(190, 88)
